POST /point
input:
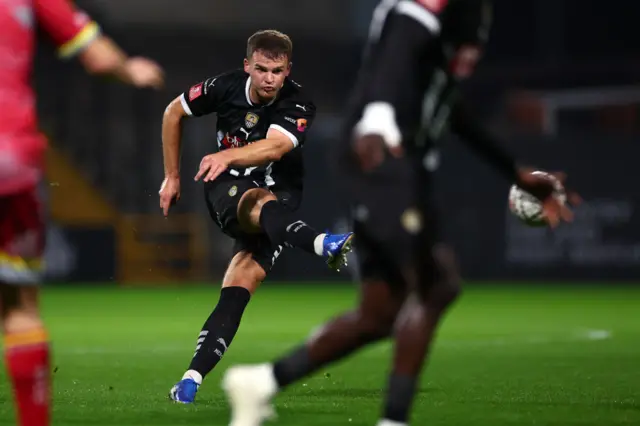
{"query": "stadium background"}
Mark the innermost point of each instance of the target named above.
(557, 83)
(546, 330)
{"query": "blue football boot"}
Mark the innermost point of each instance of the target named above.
(184, 391)
(335, 248)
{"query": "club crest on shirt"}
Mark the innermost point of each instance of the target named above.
(250, 120)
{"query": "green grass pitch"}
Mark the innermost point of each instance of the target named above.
(506, 355)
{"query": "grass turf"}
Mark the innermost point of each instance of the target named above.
(509, 355)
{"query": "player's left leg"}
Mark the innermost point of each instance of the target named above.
(25, 339)
(260, 210)
(246, 271)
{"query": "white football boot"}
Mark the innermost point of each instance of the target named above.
(249, 389)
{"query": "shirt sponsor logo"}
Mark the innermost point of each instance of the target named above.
(195, 92)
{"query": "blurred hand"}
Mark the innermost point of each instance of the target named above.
(144, 73)
(543, 186)
(169, 193)
(370, 151)
(212, 166)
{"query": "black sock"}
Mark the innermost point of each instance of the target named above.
(283, 227)
(293, 367)
(399, 398)
(219, 329)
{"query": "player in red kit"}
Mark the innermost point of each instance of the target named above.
(21, 166)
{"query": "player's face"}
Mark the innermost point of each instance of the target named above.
(465, 60)
(267, 74)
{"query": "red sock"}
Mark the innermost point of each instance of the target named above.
(27, 356)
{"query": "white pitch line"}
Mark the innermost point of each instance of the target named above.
(585, 335)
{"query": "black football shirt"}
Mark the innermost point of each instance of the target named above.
(241, 122)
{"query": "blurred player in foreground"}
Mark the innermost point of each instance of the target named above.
(22, 148)
(252, 185)
(406, 96)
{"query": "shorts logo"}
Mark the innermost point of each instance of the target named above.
(302, 124)
(233, 191)
(250, 120)
(195, 91)
(411, 221)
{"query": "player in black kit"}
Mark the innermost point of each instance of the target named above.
(252, 185)
(406, 96)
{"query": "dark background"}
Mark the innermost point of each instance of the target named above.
(558, 84)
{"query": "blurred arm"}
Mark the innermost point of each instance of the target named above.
(482, 142)
(397, 72)
(71, 30)
(76, 34)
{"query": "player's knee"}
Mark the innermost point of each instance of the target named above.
(244, 271)
(443, 294)
(449, 286)
(376, 325)
(250, 207)
(19, 308)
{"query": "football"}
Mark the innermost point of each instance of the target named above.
(527, 208)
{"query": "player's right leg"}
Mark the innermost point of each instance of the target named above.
(260, 211)
(25, 339)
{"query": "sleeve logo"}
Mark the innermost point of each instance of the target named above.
(302, 124)
(195, 91)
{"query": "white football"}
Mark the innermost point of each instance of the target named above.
(527, 207)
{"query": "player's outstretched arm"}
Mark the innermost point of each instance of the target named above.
(105, 57)
(76, 34)
(482, 141)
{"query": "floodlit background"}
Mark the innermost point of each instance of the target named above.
(546, 331)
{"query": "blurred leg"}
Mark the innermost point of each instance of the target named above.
(25, 339)
(434, 287)
(370, 322)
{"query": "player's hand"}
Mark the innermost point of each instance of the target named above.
(371, 150)
(169, 193)
(144, 73)
(212, 166)
(542, 187)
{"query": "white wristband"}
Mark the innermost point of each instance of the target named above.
(379, 118)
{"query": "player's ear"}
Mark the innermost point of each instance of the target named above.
(289, 67)
(247, 67)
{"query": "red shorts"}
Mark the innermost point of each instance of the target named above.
(22, 234)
